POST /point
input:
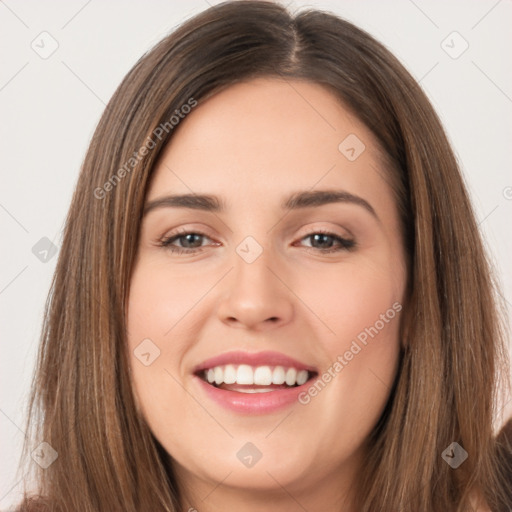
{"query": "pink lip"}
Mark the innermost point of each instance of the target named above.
(268, 358)
(253, 403)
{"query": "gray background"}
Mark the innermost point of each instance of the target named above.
(50, 104)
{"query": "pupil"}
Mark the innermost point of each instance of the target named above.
(321, 237)
(189, 238)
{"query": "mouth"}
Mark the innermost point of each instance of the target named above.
(244, 378)
(254, 383)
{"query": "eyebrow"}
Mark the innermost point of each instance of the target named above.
(296, 201)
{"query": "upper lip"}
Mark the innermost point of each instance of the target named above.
(267, 358)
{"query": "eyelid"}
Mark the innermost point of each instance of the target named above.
(308, 230)
(185, 231)
(181, 232)
(337, 230)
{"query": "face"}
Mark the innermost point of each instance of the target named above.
(292, 269)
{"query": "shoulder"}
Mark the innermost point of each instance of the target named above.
(477, 504)
(504, 450)
(505, 435)
(33, 504)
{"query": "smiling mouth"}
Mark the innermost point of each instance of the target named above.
(244, 378)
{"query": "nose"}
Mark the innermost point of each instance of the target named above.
(255, 296)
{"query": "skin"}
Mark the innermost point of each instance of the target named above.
(254, 144)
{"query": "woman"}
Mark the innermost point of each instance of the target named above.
(271, 292)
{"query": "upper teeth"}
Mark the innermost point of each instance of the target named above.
(259, 375)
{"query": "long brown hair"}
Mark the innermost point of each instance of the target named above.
(454, 351)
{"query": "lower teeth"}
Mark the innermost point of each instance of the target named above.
(241, 389)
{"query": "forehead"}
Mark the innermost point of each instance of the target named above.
(268, 134)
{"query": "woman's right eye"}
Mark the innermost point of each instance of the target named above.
(188, 242)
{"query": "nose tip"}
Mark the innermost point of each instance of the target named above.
(254, 297)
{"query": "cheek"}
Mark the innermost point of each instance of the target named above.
(157, 311)
(160, 300)
(354, 301)
(155, 306)
(361, 305)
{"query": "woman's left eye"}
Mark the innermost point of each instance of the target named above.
(191, 242)
(330, 242)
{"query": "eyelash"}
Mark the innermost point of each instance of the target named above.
(345, 244)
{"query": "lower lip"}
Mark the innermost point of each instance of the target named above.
(253, 403)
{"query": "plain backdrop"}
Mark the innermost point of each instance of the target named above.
(50, 104)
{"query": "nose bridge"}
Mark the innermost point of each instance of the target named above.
(255, 295)
(251, 270)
